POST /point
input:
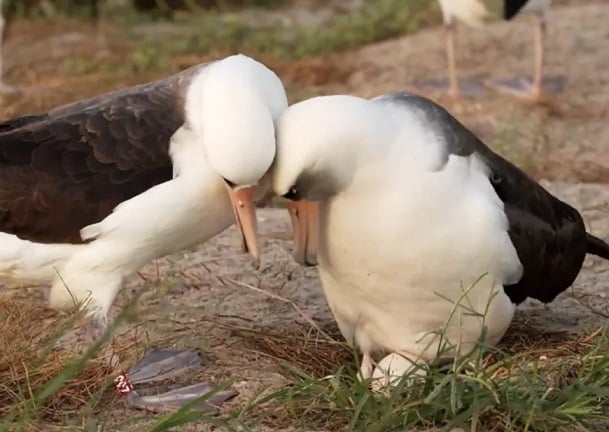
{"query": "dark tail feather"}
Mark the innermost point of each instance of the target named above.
(597, 247)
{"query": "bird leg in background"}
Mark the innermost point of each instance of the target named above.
(453, 89)
(534, 88)
(100, 36)
(454, 86)
(540, 32)
(4, 88)
(1, 43)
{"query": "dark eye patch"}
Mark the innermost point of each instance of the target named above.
(230, 183)
(292, 194)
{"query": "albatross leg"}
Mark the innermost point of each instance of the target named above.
(540, 33)
(366, 367)
(525, 87)
(4, 88)
(100, 36)
(453, 88)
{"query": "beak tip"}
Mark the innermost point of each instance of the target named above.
(310, 263)
(243, 203)
(304, 217)
(255, 260)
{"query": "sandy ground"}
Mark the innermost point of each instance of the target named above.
(205, 297)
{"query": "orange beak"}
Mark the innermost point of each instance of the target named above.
(244, 207)
(304, 216)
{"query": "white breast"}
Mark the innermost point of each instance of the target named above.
(403, 244)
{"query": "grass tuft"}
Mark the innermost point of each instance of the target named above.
(40, 379)
(532, 382)
(307, 350)
(45, 385)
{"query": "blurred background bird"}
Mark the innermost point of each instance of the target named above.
(474, 13)
(539, 10)
(470, 12)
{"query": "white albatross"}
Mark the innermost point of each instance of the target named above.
(418, 228)
(137, 173)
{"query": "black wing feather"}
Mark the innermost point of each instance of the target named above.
(549, 235)
(68, 168)
(512, 7)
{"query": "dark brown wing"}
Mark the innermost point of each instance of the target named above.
(68, 168)
(548, 234)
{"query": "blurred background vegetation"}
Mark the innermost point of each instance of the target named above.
(272, 27)
(158, 8)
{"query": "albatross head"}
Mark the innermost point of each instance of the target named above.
(318, 143)
(232, 106)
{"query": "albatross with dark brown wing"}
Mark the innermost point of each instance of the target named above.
(138, 173)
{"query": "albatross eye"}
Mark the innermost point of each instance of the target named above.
(292, 194)
(229, 183)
